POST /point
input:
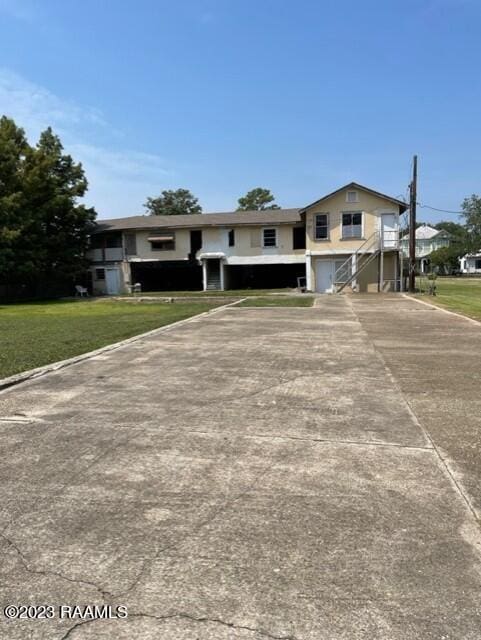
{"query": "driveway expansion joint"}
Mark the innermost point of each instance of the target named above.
(442, 461)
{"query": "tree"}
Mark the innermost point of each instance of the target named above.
(458, 231)
(173, 203)
(445, 259)
(44, 231)
(13, 148)
(472, 216)
(257, 199)
(59, 227)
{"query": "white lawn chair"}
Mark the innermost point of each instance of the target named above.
(81, 291)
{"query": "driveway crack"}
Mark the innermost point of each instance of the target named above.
(197, 619)
(216, 511)
(46, 572)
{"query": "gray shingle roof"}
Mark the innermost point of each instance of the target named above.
(270, 216)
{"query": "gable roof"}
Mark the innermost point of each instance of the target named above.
(200, 220)
(425, 232)
(357, 186)
(226, 218)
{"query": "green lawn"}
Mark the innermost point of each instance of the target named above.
(458, 294)
(278, 301)
(35, 334)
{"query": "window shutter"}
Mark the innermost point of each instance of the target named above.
(255, 238)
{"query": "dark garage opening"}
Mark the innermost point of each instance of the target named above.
(264, 276)
(167, 276)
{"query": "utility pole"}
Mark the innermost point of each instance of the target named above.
(413, 187)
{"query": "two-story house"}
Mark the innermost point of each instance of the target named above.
(428, 240)
(348, 238)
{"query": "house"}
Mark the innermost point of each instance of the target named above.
(428, 240)
(348, 238)
(470, 263)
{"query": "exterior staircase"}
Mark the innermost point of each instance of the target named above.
(213, 275)
(371, 247)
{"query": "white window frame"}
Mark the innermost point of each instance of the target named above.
(269, 246)
(361, 237)
(356, 196)
(328, 226)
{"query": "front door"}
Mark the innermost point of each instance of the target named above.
(324, 275)
(389, 229)
(112, 281)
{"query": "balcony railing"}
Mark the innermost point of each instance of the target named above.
(109, 254)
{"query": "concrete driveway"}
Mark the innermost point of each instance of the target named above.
(252, 474)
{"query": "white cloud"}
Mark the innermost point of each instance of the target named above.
(120, 179)
(35, 108)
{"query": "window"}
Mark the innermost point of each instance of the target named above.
(231, 238)
(351, 196)
(100, 274)
(352, 224)
(162, 243)
(130, 240)
(299, 238)
(477, 264)
(269, 237)
(322, 226)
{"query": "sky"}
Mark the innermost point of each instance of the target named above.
(221, 96)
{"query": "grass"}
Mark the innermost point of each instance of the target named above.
(458, 294)
(230, 293)
(35, 334)
(278, 301)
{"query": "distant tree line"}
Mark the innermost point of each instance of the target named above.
(174, 202)
(465, 237)
(44, 231)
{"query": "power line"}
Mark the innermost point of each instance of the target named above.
(426, 206)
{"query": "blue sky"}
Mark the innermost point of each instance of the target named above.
(223, 96)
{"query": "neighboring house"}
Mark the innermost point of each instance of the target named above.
(470, 263)
(348, 238)
(428, 240)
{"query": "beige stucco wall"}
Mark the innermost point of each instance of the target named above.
(368, 278)
(182, 245)
(248, 242)
(371, 206)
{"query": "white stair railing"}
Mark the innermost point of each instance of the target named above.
(370, 245)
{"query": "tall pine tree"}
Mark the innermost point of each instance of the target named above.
(43, 228)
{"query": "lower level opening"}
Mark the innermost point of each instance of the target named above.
(167, 276)
(264, 276)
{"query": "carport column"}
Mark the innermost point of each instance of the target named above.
(353, 270)
(221, 269)
(204, 275)
(308, 271)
